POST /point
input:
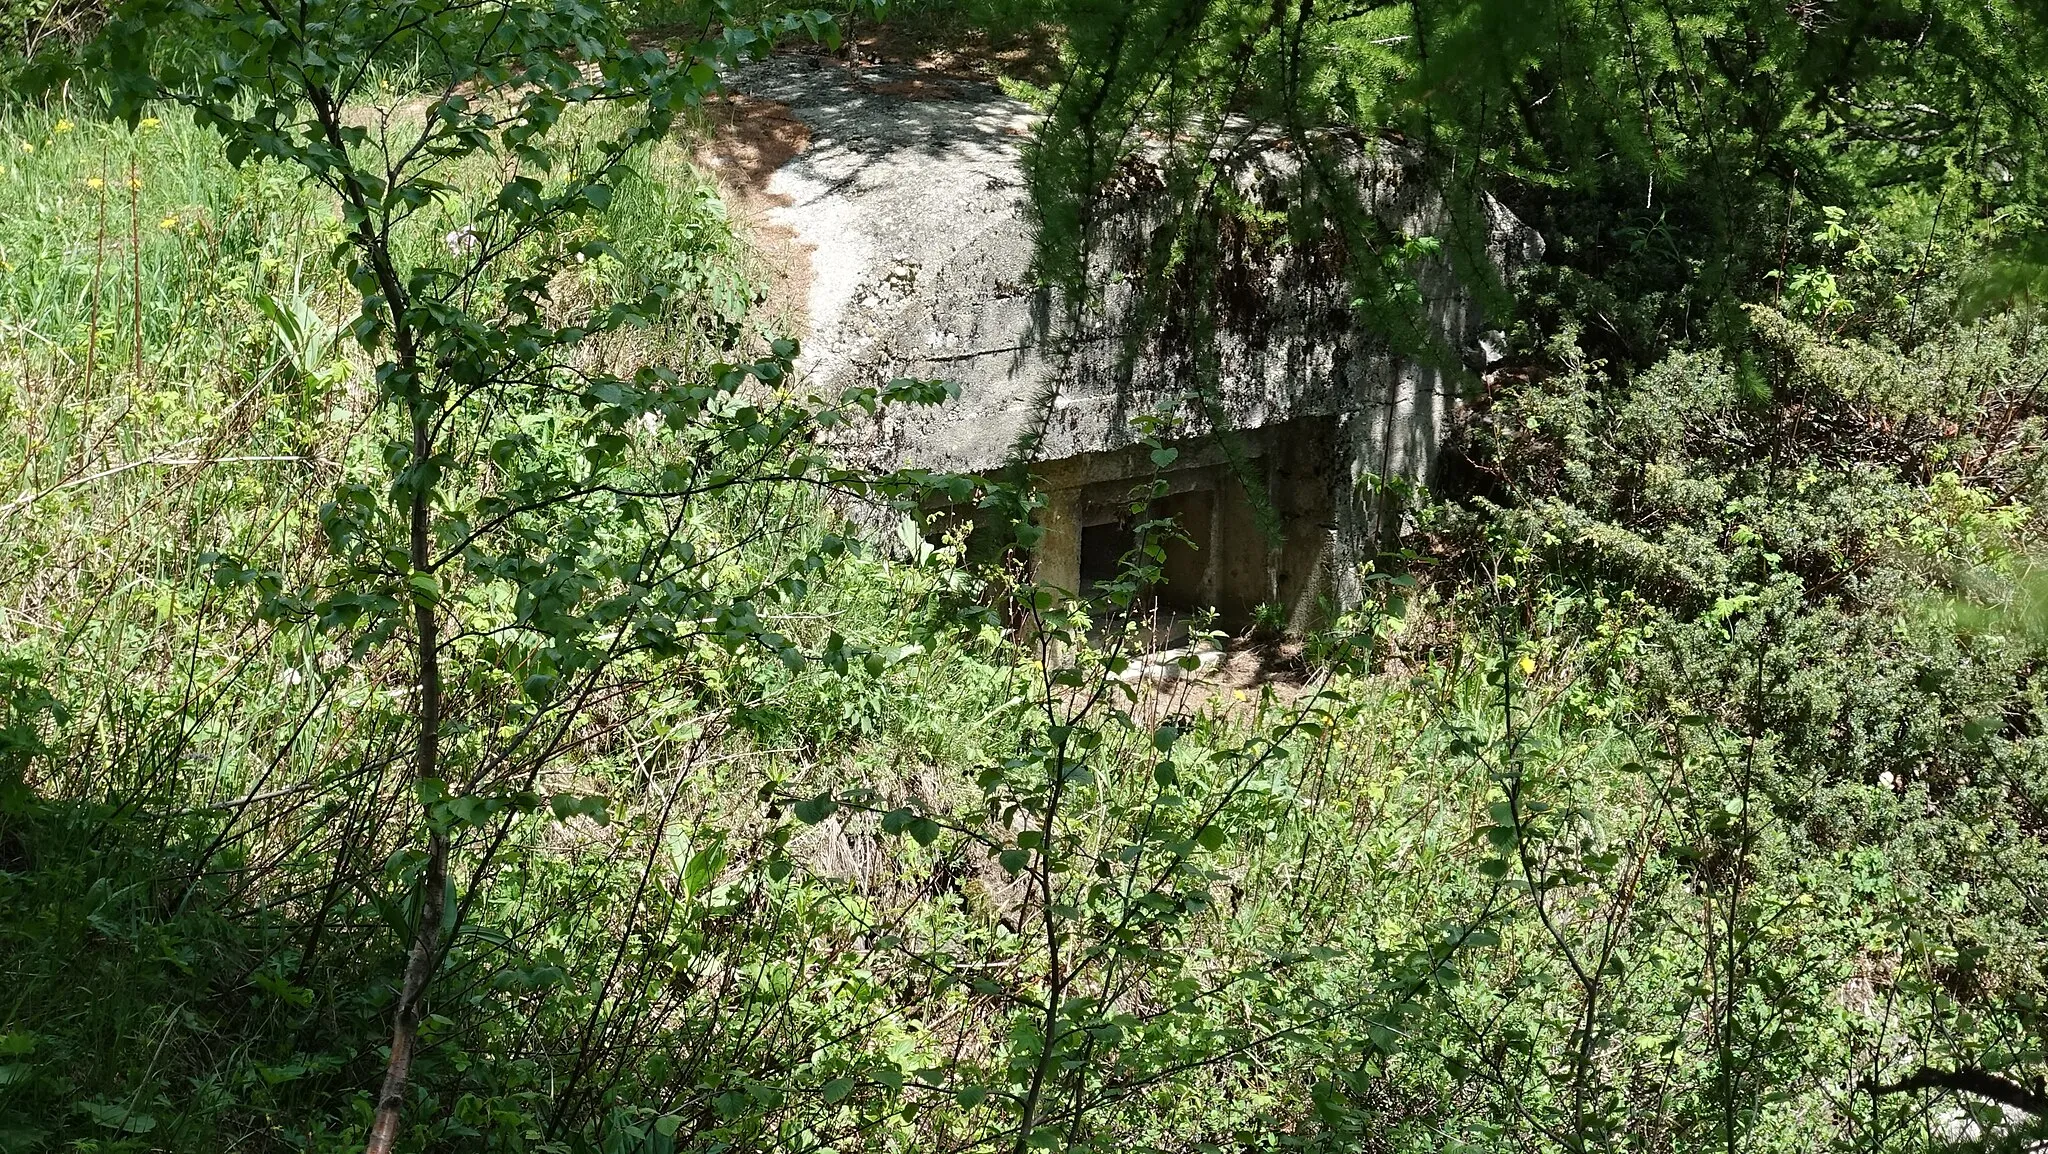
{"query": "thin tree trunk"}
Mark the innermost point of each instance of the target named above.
(419, 969)
(426, 937)
(375, 246)
(1055, 988)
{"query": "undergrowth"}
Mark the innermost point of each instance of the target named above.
(1676, 815)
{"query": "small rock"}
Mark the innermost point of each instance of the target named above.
(1165, 667)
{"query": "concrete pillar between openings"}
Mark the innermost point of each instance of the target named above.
(1058, 563)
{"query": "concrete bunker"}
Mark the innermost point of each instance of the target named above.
(912, 213)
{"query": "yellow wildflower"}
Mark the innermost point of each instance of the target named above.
(167, 223)
(1528, 664)
(95, 183)
(135, 182)
(151, 122)
(27, 147)
(64, 126)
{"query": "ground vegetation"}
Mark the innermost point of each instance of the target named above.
(444, 704)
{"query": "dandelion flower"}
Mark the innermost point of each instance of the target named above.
(63, 126)
(27, 147)
(95, 183)
(167, 223)
(135, 182)
(151, 122)
(1528, 665)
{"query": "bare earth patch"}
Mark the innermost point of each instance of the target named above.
(1030, 55)
(750, 139)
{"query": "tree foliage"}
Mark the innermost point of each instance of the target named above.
(1676, 154)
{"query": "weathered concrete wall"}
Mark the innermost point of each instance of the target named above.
(911, 202)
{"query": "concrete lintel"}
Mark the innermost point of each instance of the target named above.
(1133, 464)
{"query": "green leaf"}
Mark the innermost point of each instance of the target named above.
(1014, 860)
(837, 1089)
(1210, 837)
(568, 805)
(703, 868)
(425, 585)
(117, 1117)
(811, 811)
